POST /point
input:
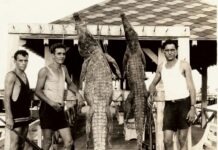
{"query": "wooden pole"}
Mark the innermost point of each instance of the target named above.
(203, 94)
(160, 108)
(184, 54)
(47, 56)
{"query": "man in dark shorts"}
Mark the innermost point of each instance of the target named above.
(17, 100)
(50, 89)
(180, 95)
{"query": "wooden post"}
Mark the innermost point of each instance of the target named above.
(160, 108)
(14, 43)
(184, 49)
(48, 56)
(184, 54)
(203, 94)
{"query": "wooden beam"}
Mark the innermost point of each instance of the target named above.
(104, 30)
(184, 49)
(151, 54)
(203, 94)
(160, 108)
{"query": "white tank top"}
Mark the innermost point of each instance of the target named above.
(54, 86)
(174, 82)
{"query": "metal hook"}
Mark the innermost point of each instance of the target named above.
(166, 30)
(40, 28)
(52, 28)
(98, 30)
(109, 30)
(64, 29)
(29, 28)
(13, 27)
(154, 28)
(121, 31)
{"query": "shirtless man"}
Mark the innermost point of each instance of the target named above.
(17, 100)
(50, 89)
(180, 95)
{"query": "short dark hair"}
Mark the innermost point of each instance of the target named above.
(169, 41)
(20, 52)
(55, 46)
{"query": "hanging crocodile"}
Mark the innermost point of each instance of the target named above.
(134, 66)
(98, 85)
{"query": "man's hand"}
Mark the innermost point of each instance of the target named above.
(191, 115)
(56, 106)
(9, 123)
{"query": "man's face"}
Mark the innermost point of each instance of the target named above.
(59, 55)
(170, 52)
(21, 62)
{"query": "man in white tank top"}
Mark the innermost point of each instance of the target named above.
(50, 89)
(180, 95)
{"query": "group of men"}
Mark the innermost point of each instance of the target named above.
(50, 89)
(176, 75)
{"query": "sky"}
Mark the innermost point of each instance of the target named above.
(46, 11)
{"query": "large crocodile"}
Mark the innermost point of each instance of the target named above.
(98, 84)
(134, 66)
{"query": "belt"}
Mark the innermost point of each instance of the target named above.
(177, 100)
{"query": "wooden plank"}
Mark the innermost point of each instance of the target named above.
(150, 54)
(203, 94)
(160, 108)
(184, 49)
(47, 53)
(104, 30)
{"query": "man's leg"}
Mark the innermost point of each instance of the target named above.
(67, 138)
(182, 136)
(168, 139)
(47, 138)
(16, 142)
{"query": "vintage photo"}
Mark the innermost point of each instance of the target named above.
(108, 75)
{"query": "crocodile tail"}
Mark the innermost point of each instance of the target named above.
(87, 43)
(130, 34)
(99, 129)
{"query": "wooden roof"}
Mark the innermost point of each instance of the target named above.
(199, 16)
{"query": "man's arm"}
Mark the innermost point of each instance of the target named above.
(9, 85)
(190, 82)
(191, 88)
(152, 87)
(71, 86)
(39, 90)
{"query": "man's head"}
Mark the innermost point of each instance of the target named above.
(58, 51)
(21, 59)
(170, 49)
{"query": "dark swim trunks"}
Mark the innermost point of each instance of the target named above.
(51, 119)
(175, 113)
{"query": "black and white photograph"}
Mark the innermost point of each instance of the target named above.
(108, 75)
